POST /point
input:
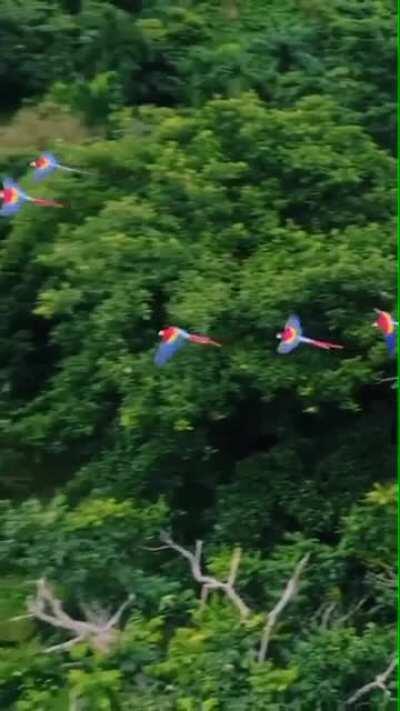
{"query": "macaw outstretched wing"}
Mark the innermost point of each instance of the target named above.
(167, 349)
(294, 322)
(10, 208)
(390, 339)
(288, 346)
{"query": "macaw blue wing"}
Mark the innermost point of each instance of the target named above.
(10, 209)
(390, 339)
(288, 346)
(167, 349)
(294, 322)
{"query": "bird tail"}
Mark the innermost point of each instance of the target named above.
(327, 345)
(205, 340)
(47, 203)
(74, 170)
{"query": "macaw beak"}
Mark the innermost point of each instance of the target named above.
(279, 336)
(33, 164)
(375, 325)
(160, 333)
(1, 194)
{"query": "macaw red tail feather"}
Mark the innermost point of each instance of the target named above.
(205, 340)
(325, 344)
(47, 203)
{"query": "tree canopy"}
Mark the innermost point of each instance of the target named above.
(240, 160)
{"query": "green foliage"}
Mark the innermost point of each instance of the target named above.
(239, 170)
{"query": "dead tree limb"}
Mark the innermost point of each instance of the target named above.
(288, 594)
(98, 630)
(378, 683)
(209, 582)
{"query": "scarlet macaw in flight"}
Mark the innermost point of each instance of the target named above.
(13, 199)
(47, 163)
(387, 325)
(172, 340)
(292, 336)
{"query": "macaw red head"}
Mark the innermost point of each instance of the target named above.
(384, 321)
(168, 332)
(9, 195)
(41, 162)
(288, 334)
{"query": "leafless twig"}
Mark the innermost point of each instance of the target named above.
(378, 683)
(326, 614)
(288, 594)
(352, 611)
(98, 629)
(208, 582)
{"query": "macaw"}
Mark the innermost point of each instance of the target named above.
(388, 326)
(13, 198)
(172, 340)
(47, 163)
(292, 336)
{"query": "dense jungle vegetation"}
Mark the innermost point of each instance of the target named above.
(241, 168)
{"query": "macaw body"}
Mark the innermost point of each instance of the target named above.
(172, 340)
(47, 164)
(388, 326)
(292, 336)
(14, 197)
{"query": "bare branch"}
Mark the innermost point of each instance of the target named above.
(99, 630)
(117, 615)
(378, 683)
(326, 614)
(21, 617)
(64, 645)
(288, 594)
(352, 611)
(209, 582)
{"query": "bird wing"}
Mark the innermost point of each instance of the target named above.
(294, 322)
(390, 339)
(288, 346)
(10, 209)
(168, 348)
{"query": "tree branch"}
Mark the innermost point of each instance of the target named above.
(209, 582)
(378, 683)
(99, 631)
(288, 594)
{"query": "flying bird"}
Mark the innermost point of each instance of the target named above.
(172, 340)
(47, 163)
(292, 336)
(14, 197)
(387, 325)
